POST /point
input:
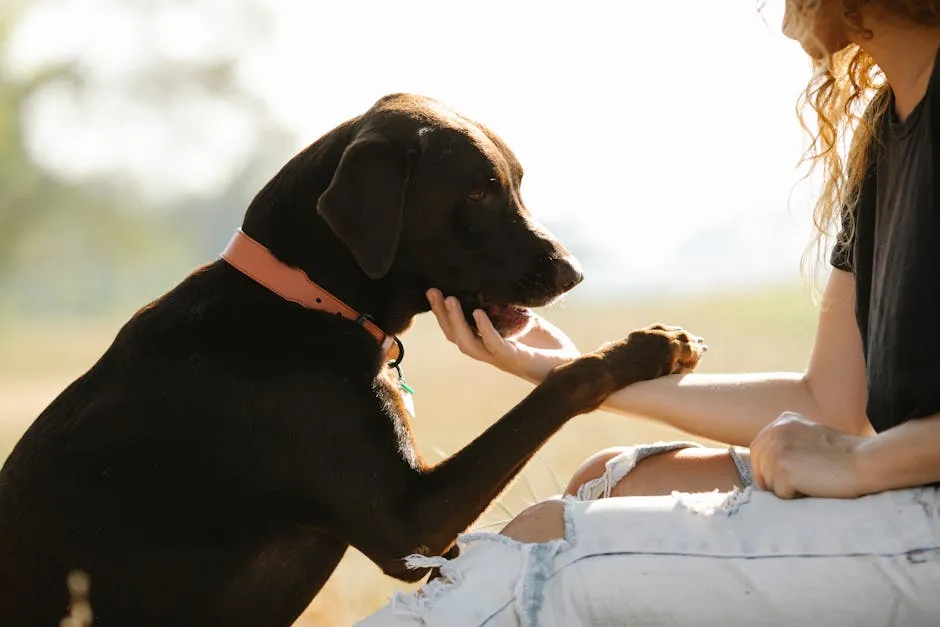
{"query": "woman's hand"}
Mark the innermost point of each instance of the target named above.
(793, 457)
(531, 356)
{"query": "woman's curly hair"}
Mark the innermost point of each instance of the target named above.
(846, 95)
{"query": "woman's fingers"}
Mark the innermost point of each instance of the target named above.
(757, 460)
(764, 462)
(464, 337)
(492, 340)
(757, 469)
(544, 334)
(531, 362)
(450, 318)
(436, 299)
(539, 334)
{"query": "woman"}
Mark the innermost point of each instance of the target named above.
(860, 429)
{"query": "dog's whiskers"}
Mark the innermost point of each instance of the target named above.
(559, 486)
(528, 484)
(506, 510)
(495, 524)
(439, 452)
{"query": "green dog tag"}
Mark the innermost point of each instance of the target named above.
(407, 393)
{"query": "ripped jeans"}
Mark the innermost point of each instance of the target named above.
(739, 558)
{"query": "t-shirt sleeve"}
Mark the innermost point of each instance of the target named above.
(843, 252)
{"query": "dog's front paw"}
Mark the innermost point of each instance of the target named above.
(644, 354)
(651, 352)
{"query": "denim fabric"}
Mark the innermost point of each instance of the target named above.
(739, 558)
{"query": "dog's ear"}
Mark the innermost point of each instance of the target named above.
(364, 204)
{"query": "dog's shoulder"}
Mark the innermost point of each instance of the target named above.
(218, 330)
(218, 313)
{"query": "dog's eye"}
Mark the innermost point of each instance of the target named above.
(478, 194)
(483, 190)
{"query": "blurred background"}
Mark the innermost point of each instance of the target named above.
(660, 143)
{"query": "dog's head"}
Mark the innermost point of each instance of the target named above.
(430, 197)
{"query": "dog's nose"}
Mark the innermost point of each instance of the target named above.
(568, 273)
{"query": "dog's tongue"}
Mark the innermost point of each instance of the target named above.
(509, 320)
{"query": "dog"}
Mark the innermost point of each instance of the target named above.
(248, 426)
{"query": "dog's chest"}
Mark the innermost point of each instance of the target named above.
(406, 393)
(398, 400)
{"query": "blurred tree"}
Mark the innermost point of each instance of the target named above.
(22, 182)
(100, 135)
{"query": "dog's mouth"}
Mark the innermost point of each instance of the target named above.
(509, 320)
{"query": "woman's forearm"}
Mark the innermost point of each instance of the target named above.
(734, 408)
(730, 408)
(906, 456)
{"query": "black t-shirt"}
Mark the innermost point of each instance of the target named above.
(896, 262)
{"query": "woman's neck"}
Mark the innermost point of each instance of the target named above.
(906, 56)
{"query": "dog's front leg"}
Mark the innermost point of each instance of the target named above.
(451, 496)
(423, 510)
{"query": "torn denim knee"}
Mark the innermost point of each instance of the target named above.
(633, 557)
(618, 467)
(714, 502)
(509, 576)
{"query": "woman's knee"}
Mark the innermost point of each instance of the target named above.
(592, 468)
(681, 470)
(688, 469)
(541, 522)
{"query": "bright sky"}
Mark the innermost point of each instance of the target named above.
(640, 124)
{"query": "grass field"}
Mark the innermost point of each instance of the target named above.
(456, 398)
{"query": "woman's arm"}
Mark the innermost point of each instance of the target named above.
(729, 408)
(734, 408)
(794, 456)
(905, 456)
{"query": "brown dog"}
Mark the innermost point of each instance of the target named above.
(213, 466)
